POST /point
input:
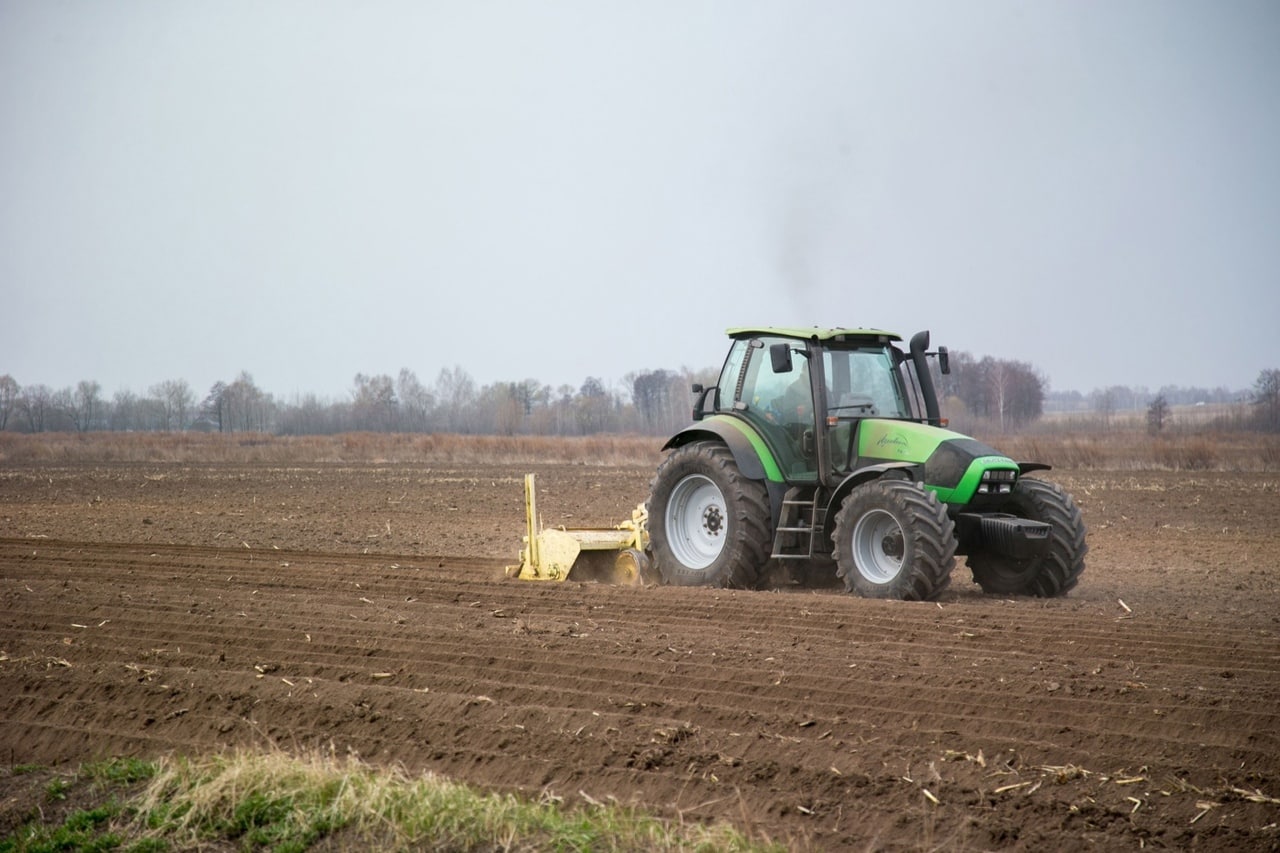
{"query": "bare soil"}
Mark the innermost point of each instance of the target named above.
(153, 608)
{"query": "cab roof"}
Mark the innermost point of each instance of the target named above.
(876, 336)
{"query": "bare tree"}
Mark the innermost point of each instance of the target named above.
(456, 391)
(594, 405)
(374, 404)
(84, 404)
(242, 406)
(61, 411)
(124, 411)
(35, 402)
(651, 391)
(1104, 403)
(416, 402)
(999, 384)
(175, 399)
(160, 392)
(662, 398)
(529, 394)
(1029, 386)
(1008, 392)
(215, 406)
(310, 415)
(563, 408)
(242, 396)
(504, 409)
(1266, 400)
(9, 389)
(249, 407)
(1157, 413)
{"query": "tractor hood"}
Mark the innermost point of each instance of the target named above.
(953, 463)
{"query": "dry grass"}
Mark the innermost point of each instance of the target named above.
(1114, 450)
(368, 448)
(275, 801)
(1135, 450)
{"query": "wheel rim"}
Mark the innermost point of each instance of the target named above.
(696, 522)
(878, 546)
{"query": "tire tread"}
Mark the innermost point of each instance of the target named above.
(930, 531)
(741, 564)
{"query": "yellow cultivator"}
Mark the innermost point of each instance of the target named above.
(608, 554)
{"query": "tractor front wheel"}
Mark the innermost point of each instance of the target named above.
(1048, 574)
(708, 524)
(893, 539)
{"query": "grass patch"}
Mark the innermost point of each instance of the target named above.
(119, 771)
(277, 802)
(23, 769)
(57, 789)
(78, 811)
(82, 830)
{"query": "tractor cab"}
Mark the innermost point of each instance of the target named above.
(806, 391)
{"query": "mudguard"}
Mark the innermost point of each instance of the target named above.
(865, 474)
(750, 453)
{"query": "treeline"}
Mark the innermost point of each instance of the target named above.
(1133, 398)
(652, 402)
(1006, 394)
(980, 394)
(989, 394)
(1255, 409)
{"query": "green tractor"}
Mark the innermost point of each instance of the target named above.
(823, 451)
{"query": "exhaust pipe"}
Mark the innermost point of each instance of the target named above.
(920, 343)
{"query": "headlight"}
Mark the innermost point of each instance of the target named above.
(997, 481)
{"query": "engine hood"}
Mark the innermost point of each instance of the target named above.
(953, 463)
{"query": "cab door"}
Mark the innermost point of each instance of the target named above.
(779, 404)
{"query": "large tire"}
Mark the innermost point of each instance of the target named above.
(894, 539)
(1052, 573)
(708, 524)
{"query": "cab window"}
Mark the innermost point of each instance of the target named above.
(780, 404)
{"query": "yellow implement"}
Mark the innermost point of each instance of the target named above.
(607, 554)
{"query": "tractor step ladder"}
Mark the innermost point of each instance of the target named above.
(799, 513)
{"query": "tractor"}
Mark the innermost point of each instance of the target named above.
(823, 451)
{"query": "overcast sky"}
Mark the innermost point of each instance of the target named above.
(555, 190)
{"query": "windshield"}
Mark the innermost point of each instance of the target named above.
(864, 382)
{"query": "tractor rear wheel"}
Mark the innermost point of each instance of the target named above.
(893, 539)
(1049, 574)
(708, 524)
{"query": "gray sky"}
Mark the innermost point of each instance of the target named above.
(556, 190)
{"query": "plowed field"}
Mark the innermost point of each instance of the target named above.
(178, 608)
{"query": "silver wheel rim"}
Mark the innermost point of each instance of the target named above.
(696, 522)
(878, 546)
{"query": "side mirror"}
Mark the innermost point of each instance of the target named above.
(780, 356)
(700, 402)
(944, 360)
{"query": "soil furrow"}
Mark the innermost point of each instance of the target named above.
(369, 615)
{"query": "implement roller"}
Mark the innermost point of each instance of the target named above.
(614, 555)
